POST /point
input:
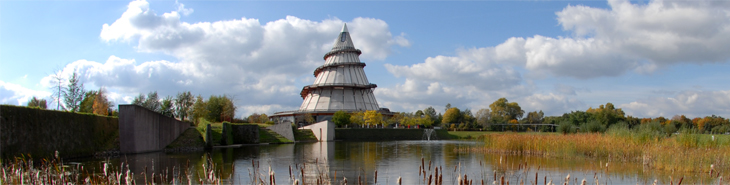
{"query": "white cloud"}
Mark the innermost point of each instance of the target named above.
(551, 104)
(603, 43)
(688, 103)
(260, 65)
(14, 94)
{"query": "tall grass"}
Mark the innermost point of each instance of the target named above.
(686, 151)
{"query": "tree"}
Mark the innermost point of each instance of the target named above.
(373, 117)
(467, 117)
(35, 102)
(101, 103)
(167, 107)
(74, 93)
(229, 109)
(503, 110)
(341, 118)
(87, 104)
(483, 117)
(452, 115)
(57, 88)
(152, 102)
(419, 113)
(534, 117)
(199, 109)
(184, 104)
(215, 108)
(358, 118)
(308, 118)
(448, 106)
(430, 112)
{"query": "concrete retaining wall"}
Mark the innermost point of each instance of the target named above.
(283, 129)
(384, 134)
(324, 130)
(41, 133)
(143, 130)
(245, 134)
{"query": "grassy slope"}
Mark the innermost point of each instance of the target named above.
(189, 138)
(265, 135)
(304, 135)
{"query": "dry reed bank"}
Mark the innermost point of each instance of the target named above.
(684, 151)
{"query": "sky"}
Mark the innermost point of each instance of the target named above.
(649, 58)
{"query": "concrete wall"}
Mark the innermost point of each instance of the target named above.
(143, 130)
(385, 134)
(41, 133)
(283, 129)
(324, 130)
(245, 134)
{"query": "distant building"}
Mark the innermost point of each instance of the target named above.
(341, 84)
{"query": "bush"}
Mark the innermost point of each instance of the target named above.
(620, 129)
(566, 127)
(592, 126)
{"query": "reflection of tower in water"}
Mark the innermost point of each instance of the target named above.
(318, 156)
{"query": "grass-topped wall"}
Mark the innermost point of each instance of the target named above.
(41, 133)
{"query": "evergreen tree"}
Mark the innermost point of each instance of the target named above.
(74, 93)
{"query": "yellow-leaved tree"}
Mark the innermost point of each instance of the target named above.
(373, 117)
(101, 104)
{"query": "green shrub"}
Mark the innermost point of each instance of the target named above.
(592, 126)
(620, 129)
(566, 127)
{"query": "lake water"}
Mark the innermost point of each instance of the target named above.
(330, 161)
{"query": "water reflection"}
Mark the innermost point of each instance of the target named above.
(335, 161)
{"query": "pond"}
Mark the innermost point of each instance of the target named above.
(334, 161)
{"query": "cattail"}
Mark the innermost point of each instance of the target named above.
(584, 182)
(296, 182)
(655, 181)
(680, 181)
(345, 179)
(429, 179)
(712, 169)
(376, 176)
(398, 181)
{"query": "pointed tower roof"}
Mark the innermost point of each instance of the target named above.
(344, 41)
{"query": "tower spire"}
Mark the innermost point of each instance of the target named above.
(344, 28)
(344, 41)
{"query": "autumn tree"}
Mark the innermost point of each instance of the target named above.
(87, 104)
(74, 93)
(358, 118)
(36, 102)
(373, 117)
(101, 103)
(341, 118)
(452, 115)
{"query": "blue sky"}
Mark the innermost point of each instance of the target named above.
(650, 58)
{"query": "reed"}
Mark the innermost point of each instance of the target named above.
(687, 152)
